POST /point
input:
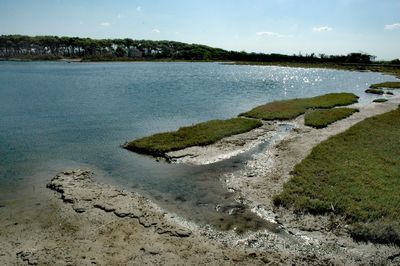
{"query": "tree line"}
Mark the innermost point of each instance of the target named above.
(54, 47)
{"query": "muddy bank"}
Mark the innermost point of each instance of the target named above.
(78, 221)
(264, 176)
(225, 148)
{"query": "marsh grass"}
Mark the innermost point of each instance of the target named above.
(355, 174)
(388, 85)
(375, 91)
(323, 118)
(290, 109)
(197, 135)
(381, 100)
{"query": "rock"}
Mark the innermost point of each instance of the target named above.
(27, 256)
(79, 188)
(67, 198)
(151, 250)
(252, 255)
(104, 207)
(80, 210)
(183, 232)
(147, 221)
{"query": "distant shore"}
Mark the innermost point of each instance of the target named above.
(389, 69)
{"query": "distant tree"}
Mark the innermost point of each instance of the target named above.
(395, 61)
(120, 51)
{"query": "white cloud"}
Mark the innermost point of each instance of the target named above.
(105, 24)
(269, 33)
(139, 8)
(156, 30)
(395, 26)
(322, 29)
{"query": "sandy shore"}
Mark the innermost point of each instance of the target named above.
(80, 221)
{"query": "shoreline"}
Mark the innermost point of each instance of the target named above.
(225, 148)
(77, 222)
(85, 232)
(393, 70)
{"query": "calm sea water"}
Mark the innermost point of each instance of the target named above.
(55, 116)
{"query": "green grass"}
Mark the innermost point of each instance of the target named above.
(322, 118)
(197, 135)
(355, 174)
(289, 109)
(381, 100)
(388, 85)
(374, 91)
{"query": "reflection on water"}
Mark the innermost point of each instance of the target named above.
(55, 116)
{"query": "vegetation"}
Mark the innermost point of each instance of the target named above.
(53, 47)
(322, 118)
(354, 174)
(289, 109)
(381, 100)
(388, 85)
(197, 135)
(375, 91)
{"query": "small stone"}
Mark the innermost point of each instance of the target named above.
(183, 232)
(147, 221)
(150, 250)
(79, 209)
(104, 207)
(252, 255)
(67, 198)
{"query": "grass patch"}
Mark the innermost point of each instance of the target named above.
(374, 91)
(322, 118)
(289, 109)
(197, 135)
(355, 174)
(381, 100)
(388, 85)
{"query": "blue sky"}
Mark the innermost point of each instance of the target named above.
(270, 26)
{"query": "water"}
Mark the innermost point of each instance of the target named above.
(56, 116)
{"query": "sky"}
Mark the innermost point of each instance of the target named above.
(268, 26)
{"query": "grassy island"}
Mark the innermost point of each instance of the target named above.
(388, 85)
(354, 174)
(375, 91)
(197, 135)
(289, 109)
(381, 100)
(211, 131)
(323, 118)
